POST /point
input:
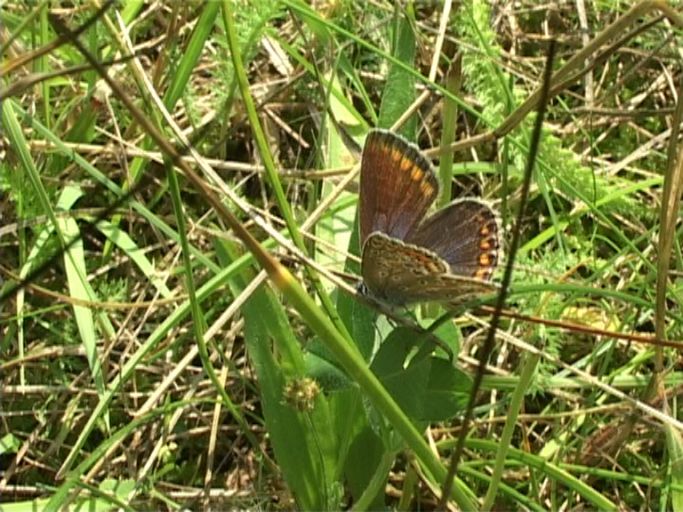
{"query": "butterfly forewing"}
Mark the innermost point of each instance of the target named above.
(397, 186)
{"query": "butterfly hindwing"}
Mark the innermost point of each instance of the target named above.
(465, 234)
(401, 273)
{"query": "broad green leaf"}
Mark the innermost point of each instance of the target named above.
(79, 288)
(399, 92)
(303, 441)
(427, 388)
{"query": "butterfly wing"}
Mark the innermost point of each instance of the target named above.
(447, 289)
(401, 273)
(464, 234)
(397, 186)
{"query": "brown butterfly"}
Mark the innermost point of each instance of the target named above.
(448, 256)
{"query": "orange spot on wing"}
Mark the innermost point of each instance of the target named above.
(416, 173)
(426, 188)
(482, 273)
(396, 155)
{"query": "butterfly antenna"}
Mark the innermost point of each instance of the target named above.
(487, 347)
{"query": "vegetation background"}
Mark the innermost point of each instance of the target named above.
(147, 361)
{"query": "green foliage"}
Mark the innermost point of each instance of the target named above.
(108, 399)
(491, 86)
(399, 92)
(254, 22)
(428, 389)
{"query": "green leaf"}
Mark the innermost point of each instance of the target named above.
(399, 92)
(674, 444)
(320, 367)
(364, 459)
(427, 388)
(79, 287)
(137, 255)
(336, 229)
(447, 393)
(303, 442)
(9, 443)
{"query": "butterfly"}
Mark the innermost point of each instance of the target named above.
(408, 256)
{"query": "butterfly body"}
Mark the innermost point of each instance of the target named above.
(408, 256)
